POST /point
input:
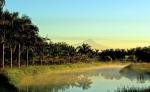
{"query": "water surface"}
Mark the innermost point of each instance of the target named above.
(97, 80)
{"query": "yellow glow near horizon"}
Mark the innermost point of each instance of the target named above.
(122, 44)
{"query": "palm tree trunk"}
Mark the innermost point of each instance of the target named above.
(19, 56)
(27, 57)
(11, 57)
(3, 61)
(27, 89)
(32, 61)
(41, 61)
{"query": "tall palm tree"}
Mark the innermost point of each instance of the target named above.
(30, 38)
(11, 40)
(38, 48)
(2, 36)
(2, 3)
(17, 28)
(26, 36)
(9, 31)
(84, 49)
(4, 17)
(19, 35)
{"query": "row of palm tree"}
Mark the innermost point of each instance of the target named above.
(16, 34)
(139, 54)
(20, 44)
(63, 53)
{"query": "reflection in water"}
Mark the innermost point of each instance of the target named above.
(91, 81)
(111, 74)
(141, 77)
(84, 82)
(59, 82)
(133, 89)
(5, 86)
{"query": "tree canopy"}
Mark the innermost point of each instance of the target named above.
(20, 44)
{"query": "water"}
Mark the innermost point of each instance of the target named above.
(5, 86)
(99, 80)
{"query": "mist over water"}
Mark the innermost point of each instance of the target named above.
(103, 80)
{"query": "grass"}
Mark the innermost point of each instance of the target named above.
(140, 67)
(15, 75)
(26, 74)
(133, 89)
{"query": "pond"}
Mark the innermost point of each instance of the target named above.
(97, 80)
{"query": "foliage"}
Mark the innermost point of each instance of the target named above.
(138, 54)
(20, 44)
(133, 89)
(16, 74)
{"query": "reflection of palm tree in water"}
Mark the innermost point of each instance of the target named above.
(84, 82)
(61, 84)
(140, 78)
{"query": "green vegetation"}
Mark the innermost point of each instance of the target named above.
(139, 67)
(139, 70)
(133, 89)
(15, 75)
(23, 53)
(21, 45)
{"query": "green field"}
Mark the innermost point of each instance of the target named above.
(140, 67)
(16, 74)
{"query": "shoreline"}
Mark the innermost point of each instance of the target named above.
(17, 75)
(45, 76)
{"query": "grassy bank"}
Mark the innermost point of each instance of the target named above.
(15, 74)
(133, 89)
(140, 67)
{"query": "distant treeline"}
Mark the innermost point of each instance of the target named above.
(20, 44)
(139, 54)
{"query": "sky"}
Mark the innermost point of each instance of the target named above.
(114, 23)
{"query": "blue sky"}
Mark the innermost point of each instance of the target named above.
(116, 23)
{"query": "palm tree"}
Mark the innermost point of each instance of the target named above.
(16, 35)
(38, 48)
(2, 3)
(11, 40)
(30, 38)
(7, 32)
(84, 49)
(26, 36)
(2, 36)
(10, 29)
(4, 17)
(20, 35)
(3, 61)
